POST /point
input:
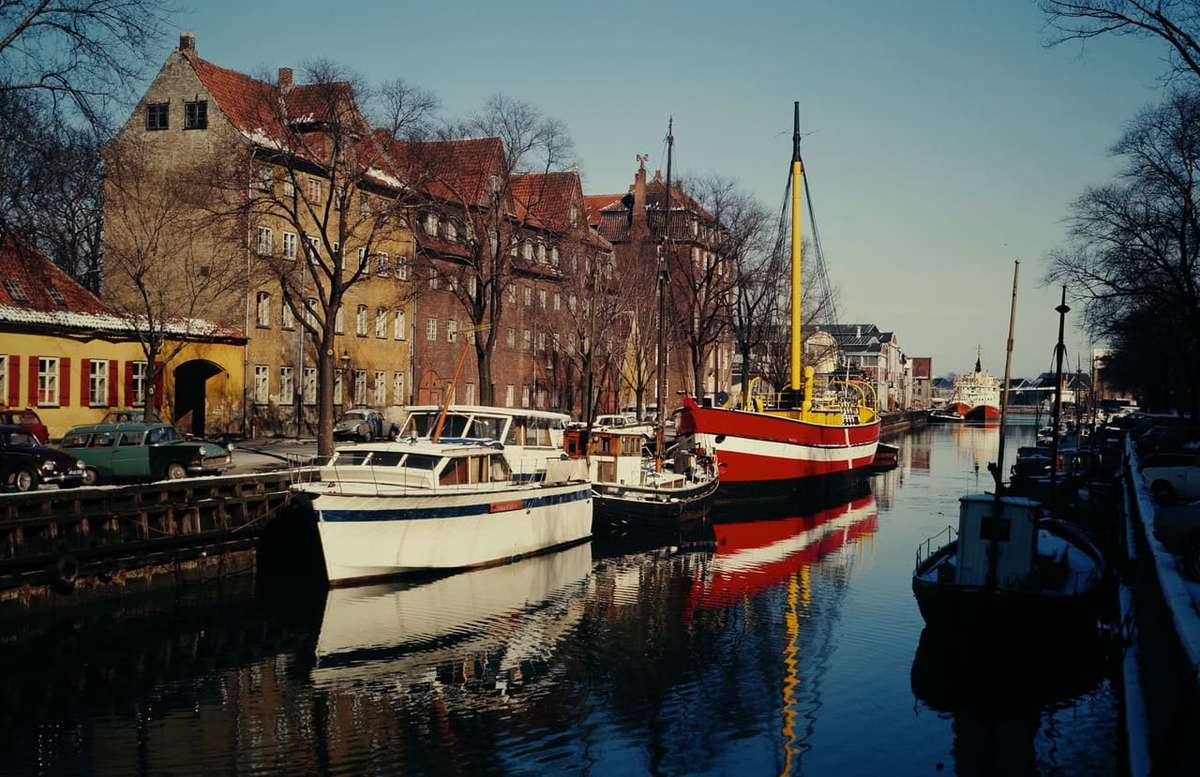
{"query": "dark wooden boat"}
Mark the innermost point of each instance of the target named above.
(886, 456)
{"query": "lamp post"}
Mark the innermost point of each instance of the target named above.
(345, 375)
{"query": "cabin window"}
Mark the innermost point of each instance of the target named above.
(386, 459)
(421, 461)
(516, 432)
(456, 472)
(350, 458)
(538, 432)
(487, 428)
(500, 471)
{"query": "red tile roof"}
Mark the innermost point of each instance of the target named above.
(36, 281)
(598, 202)
(544, 199)
(455, 171)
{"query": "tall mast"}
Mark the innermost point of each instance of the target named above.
(998, 473)
(665, 252)
(797, 204)
(1060, 350)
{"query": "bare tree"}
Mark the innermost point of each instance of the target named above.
(484, 181)
(1135, 243)
(319, 165)
(1177, 22)
(639, 362)
(595, 332)
(172, 272)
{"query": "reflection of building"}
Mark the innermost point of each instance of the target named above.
(922, 382)
(72, 361)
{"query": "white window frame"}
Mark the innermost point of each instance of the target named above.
(383, 264)
(431, 330)
(508, 395)
(98, 383)
(542, 298)
(397, 388)
(360, 321)
(337, 386)
(339, 320)
(289, 245)
(510, 337)
(526, 340)
(381, 323)
(139, 383)
(287, 318)
(308, 386)
(470, 394)
(401, 326)
(452, 330)
(401, 267)
(380, 388)
(525, 395)
(266, 239)
(528, 296)
(262, 384)
(47, 385)
(360, 388)
(262, 309)
(287, 386)
(557, 301)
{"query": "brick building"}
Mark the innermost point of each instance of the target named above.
(194, 110)
(472, 204)
(635, 224)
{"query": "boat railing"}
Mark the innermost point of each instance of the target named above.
(935, 543)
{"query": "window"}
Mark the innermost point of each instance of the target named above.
(380, 388)
(364, 204)
(289, 188)
(157, 116)
(362, 258)
(286, 389)
(339, 320)
(47, 386)
(360, 387)
(289, 245)
(265, 179)
(524, 396)
(571, 303)
(313, 189)
(15, 290)
(508, 395)
(98, 383)
(402, 267)
(381, 322)
(287, 319)
(314, 248)
(554, 249)
(451, 231)
(433, 279)
(397, 388)
(541, 341)
(528, 296)
(557, 301)
(195, 115)
(56, 295)
(262, 384)
(309, 386)
(360, 322)
(511, 337)
(527, 251)
(264, 241)
(139, 383)
(337, 386)
(541, 252)
(512, 294)
(382, 265)
(526, 340)
(263, 309)
(473, 286)
(431, 224)
(431, 330)
(452, 331)
(401, 328)
(542, 298)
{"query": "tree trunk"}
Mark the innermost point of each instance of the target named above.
(483, 363)
(325, 393)
(149, 411)
(640, 396)
(697, 371)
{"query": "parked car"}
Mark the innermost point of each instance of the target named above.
(28, 420)
(1178, 528)
(123, 417)
(365, 425)
(25, 463)
(1172, 475)
(135, 451)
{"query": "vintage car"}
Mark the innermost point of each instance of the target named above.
(123, 417)
(27, 420)
(1172, 475)
(25, 463)
(365, 425)
(136, 451)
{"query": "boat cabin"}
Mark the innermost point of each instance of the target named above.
(530, 437)
(417, 464)
(614, 456)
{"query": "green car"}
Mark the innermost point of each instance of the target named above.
(136, 451)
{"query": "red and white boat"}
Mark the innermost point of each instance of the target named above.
(806, 438)
(976, 395)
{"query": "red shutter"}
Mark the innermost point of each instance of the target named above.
(14, 381)
(129, 384)
(33, 365)
(85, 379)
(158, 386)
(113, 377)
(64, 382)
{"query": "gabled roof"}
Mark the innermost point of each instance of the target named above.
(544, 199)
(34, 283)
(595, 203)
(454, 171)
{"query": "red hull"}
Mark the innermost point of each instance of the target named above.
(962, 408)
(983, 413)
(762, 448)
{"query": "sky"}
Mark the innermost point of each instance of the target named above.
(943, 140)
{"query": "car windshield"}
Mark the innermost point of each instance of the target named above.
(74, 440)
(19, 438)
(355, 415)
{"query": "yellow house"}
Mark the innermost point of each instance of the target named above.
(65, 357)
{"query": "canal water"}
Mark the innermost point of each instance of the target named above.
(769, 645)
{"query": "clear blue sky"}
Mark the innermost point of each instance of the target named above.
(945, 141)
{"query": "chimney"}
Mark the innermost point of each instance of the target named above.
(858, 331)
(639, 228)
(187, 41)
(285, 78)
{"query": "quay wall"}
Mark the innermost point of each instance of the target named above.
(903, 421)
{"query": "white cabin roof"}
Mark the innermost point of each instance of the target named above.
(488, 410)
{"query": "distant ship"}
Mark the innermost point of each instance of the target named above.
(976, 395)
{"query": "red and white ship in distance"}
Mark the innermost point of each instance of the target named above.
(803, 440)
(976, 395)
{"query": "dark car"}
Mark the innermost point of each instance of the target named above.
(27, 420)
(25, 463)
(365, 425)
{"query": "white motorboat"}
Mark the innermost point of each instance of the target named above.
(392, 508)
(530, 437)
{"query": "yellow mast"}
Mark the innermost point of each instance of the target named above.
(797, 275)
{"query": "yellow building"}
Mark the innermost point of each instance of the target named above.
(65, 357)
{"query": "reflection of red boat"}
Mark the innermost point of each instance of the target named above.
(756, 555)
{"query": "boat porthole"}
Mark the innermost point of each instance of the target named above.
(720, 438)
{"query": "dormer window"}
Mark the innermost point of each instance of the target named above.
(431, 224)
(57, 296)
(157, 116)
(195, 115)
(451, 231)
(541, 250)
(15, 291)
(554, 256)
(527, 251)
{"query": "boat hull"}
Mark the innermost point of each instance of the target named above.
(783, 455)
(983, 413)
(620, 509)
(369, 537)
(961, 408)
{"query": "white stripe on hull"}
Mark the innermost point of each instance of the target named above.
(786, 450)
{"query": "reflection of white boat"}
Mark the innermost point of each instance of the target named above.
(391, 508)
(520, 611)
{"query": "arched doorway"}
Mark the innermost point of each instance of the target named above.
(190, 394)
